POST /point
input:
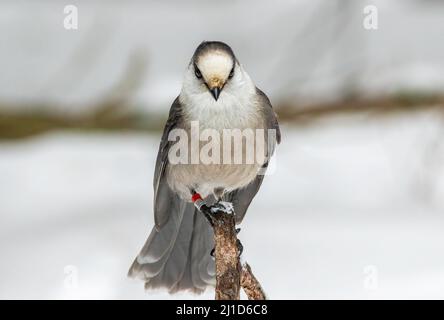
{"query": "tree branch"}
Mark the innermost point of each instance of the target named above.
(230, 275)
(251, 285)
(228, 266)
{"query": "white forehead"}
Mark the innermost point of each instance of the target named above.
(215, 64)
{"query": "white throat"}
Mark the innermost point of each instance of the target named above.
(236, 107)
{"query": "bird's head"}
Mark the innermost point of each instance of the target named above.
(213, 70)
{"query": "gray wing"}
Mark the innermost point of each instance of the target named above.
(270, 116)
(241, 198)
(163, 195)
(176, 255)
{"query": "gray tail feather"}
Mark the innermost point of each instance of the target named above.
(177, 257)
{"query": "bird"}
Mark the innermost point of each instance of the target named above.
(218, 94)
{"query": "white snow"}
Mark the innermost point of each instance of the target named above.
(353, 210)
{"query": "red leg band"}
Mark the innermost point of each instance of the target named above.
(197, 200)
(196, 197)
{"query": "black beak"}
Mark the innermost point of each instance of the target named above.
(215, 92)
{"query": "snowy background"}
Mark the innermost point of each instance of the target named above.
(355, 208)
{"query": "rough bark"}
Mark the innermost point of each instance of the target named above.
(230, 275)
(228, 267)
(251, 285)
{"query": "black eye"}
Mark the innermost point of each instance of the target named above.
(231, 74)
(197, 73)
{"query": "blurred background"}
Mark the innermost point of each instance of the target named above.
(355, 207)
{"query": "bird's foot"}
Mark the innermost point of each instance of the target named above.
(211, 212)
(215, 210)
(222, 207)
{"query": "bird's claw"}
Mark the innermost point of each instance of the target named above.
(208, 214)
(221, 207)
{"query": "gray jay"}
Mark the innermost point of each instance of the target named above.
(219, 95)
